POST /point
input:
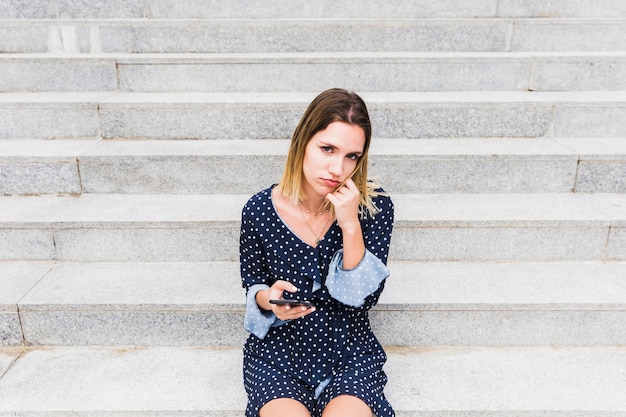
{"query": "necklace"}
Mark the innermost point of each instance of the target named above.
(315, 213)
(318, 237)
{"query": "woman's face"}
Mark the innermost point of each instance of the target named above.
(330, 157)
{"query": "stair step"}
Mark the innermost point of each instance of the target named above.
(424, 304)
(313, 35)
(62, 115)
(402, 165)
(314, 72)
(114, 227)
(190, 382)
(170, 9)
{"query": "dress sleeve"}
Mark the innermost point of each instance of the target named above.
(353, 286)
(361, 286)
(253, 266)
(257, 321)
(254, 276)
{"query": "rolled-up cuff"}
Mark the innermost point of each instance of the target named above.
(257, 321)
(352, 286)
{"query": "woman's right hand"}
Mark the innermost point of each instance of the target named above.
(284, 312)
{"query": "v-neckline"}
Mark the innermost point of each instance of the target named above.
(280, 218)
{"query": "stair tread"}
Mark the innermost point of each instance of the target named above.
(429, 286)
(599, 148)
(131, 381)
(339, 56)
(63, 211)
(104, 98)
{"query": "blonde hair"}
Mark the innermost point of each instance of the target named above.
(334, 105)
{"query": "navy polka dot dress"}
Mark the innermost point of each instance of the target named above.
(331, 351)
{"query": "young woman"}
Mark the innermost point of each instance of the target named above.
(320, 237)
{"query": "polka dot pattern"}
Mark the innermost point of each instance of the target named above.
(331, 351)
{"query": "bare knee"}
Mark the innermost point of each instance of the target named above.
(347, 406)
(284, 407)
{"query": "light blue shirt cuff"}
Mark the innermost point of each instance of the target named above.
(257, 321)
(352, 286)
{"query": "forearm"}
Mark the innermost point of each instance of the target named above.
(353, 246)
(263, 300)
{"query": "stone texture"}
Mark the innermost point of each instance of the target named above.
(329, 35)
(590, 121)
(427, 304)
(57, 74)
(26, 244)
(163, 304)
(196, 227)
(40, 167)
(601, 166)
(562, 8)
(518, 381)
(123, 381)
(149, 243)
(301, 9)
(189, 382)
(133, 328)
(58, 177)
(494, 286)
(499, 328)
(223, 9)
(602, 176)
(512, 243)
(568, 35)
(16, 279)
(168, 286)
(359, 71)
(488, 174)
(274, 115)
(579, 74)
(50, 116)
(10, 330)
(303, 72)
(402, 166)
(616, 247)
(179, 175)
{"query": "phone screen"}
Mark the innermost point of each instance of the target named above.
(292, 302)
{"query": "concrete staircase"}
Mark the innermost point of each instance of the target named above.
(132, 132)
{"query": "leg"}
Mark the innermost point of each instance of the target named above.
(347, 406)
(284, 407)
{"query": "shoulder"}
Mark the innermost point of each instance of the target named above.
(259, 202)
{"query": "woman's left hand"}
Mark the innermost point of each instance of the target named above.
(345, 201)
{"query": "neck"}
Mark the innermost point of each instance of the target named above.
(316, 208)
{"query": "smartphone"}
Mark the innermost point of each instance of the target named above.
(284, 302)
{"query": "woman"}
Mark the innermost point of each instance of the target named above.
(321, 235)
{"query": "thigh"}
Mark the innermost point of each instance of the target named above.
(347, 406)
(284, 407)
(265, 383)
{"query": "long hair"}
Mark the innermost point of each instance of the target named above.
(334, 105)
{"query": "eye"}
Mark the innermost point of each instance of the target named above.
(353, 156)
(326, 149)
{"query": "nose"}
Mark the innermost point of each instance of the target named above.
(336, 167)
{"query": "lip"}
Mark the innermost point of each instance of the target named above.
(331, 183)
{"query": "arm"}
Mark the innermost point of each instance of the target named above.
(361, 286)
(260, 287)
(345, 202)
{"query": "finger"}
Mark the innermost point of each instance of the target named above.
(284, 286)
(350, 185)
